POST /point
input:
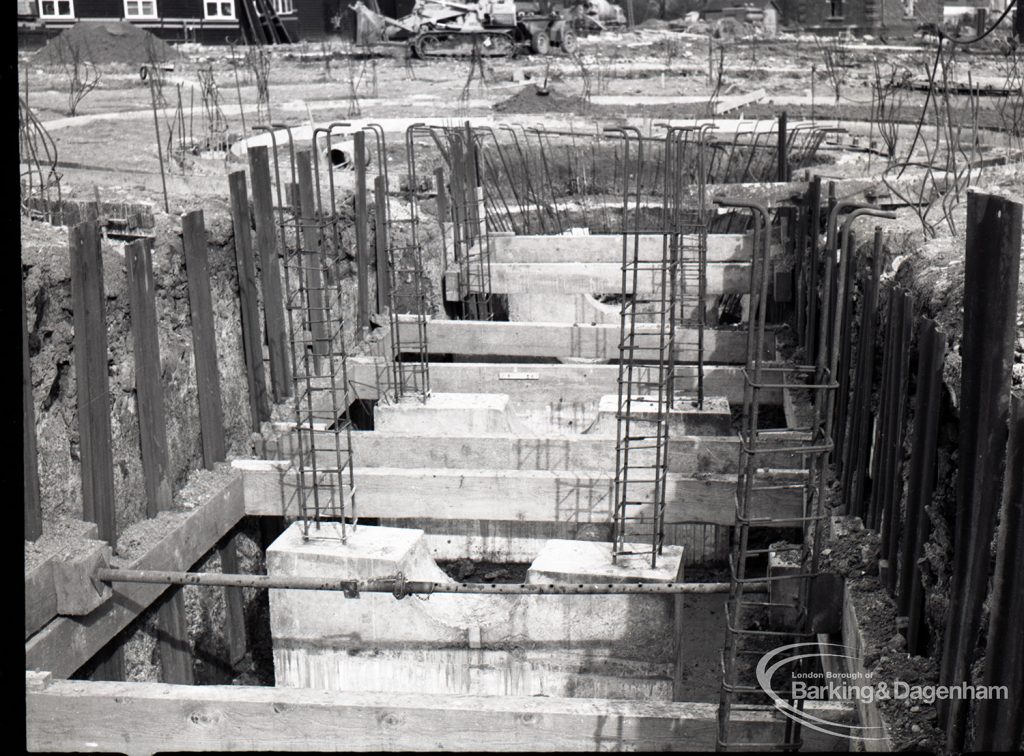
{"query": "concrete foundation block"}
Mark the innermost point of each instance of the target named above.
(447, 415)
(455, 643)
(475, 671)
(713, 419)
(591, 562)
(685, 419)
(77, 592)
(368, 552)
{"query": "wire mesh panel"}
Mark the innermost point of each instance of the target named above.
(314, 260)
(758, 621)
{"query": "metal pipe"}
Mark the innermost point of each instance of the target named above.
(398, 585)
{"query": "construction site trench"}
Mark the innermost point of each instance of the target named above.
(375, 403)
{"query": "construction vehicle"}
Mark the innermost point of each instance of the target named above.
(597, 14)
(491, 27)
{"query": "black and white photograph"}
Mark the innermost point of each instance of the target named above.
(521, 375)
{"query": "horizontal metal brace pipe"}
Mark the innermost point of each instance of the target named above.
(397, 585)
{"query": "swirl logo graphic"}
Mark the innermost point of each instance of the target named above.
(819, 689)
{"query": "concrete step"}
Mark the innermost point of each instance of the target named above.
(565, 340)
(687, 454)
(607, 248)
(595, 278)
(524, 495)
(586, 308)
(713, 419)
(565, 390)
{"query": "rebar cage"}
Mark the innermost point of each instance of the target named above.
(315, 260)
(410, 362)
(661, 334)
(470, 219)
(536, 180)
(757, 620)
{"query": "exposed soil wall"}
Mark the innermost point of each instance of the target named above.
(46, 265)
(932, 272)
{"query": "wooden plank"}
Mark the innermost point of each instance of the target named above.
(875, 735)
(149, 393)
(539, 495)
(921, 480)
(204, 343)
(67, 643)
(40, 597)
(1001, 726)
(172, 639)
(142, 718)
(678, 634)
(41, 603)
(252, 343)
(111, 667)
(380, 201)
(362, 242)
(991, 273)
(33, 522)
(234, 606)
(897, 417)
(270, 274)
(91, 377)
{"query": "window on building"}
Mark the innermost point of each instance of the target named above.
(219, 8)
(908, 8)
(284, 6)
(835, 8)
(56, 9)
(140, 8)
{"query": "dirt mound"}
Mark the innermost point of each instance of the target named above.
(530, 100)
(106, 42)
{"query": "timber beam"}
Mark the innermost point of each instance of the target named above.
(66, 643)
(144, 718)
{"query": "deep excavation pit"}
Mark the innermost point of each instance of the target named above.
(481, 426)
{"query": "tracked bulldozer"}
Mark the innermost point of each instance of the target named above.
(438, 28)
